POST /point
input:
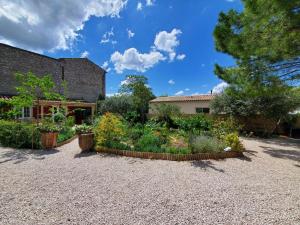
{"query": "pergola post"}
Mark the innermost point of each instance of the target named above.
(42, 111)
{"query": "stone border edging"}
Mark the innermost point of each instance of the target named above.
(171, 157)
(66, 141)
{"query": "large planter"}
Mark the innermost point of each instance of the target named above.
(49, 140)
(86, 141)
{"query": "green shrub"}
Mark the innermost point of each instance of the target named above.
(194, 124)
(205, 144)
(47, 125)
(232, 140)
(149, 143)
(117, 145)
(59, 117)
(153, 125)
(110, 129)
(83, 129)
(119, 104)
(222, 127)
(70, 121)
(19, 135)
(134, 133)
(65, 134)
(176, 150)
(164, 113)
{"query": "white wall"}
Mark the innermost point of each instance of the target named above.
(187, 107)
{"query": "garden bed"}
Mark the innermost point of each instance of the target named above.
(171, 157)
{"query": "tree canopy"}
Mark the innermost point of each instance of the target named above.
(263, 38)
(137, 87)
(32, 88)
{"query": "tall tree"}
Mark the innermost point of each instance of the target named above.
(264, 38)
(137, 86)
(32, 89)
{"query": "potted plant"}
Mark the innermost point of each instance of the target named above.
(49, 132)
(85, 137)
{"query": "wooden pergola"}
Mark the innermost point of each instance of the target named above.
(65, 105)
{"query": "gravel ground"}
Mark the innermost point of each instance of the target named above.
(65, 187)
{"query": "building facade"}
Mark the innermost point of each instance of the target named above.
(85, 80)
(188, 105)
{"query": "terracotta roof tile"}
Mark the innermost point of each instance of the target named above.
(207, 97)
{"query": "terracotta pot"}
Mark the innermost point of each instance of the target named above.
(49, 140)
(86, 141)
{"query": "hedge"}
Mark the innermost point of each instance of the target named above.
(17, 134)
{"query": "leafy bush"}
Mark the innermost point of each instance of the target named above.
(205, 144)
(59, 117)
(48, 125)
(119, 104)
(70, 121)
(232, 140)
(149, 143)
(83, 129)
(153, 125)
(176, 150)
(194, 124)
(65, 134)
(134, 133)
(19, 135)
(117, 145)
(165, 112)
(222, 127)
(109, 130)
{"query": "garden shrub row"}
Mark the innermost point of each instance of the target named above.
(17, 134)
(21, 134)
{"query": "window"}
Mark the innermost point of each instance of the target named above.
(26, 112)
(202, 110)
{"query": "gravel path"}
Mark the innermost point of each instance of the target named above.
(64, 187)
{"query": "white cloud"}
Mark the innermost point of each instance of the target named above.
(106, 37)
(167, 42)
(112, 94)
(196, 93)
(125, 82)
(131, 59)
(181, 57)
(84, 54)
(105, 66)
(149, 2)
(187, 89)
(219, 88)
(50, 25)
(171, 82)
(179, 93)
(130, 33)
(139, 6)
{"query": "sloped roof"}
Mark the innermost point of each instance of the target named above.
(207, 97)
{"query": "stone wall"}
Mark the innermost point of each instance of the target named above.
(85, 80)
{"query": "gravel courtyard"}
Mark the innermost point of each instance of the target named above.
(65, 187)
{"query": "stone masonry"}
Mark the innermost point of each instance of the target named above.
(85, 80)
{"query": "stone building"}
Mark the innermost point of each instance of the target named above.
(85, 80)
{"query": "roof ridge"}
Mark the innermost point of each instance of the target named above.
(31, 52)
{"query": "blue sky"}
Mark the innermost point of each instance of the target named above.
(169, 41)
